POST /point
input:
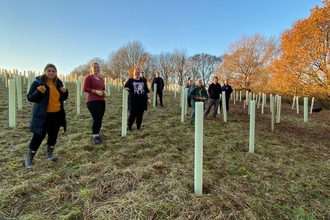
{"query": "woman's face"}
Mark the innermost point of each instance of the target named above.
(96, 69)
(137, 73)
(51, 73)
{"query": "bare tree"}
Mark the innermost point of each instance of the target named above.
(81, 70)
(84, 69)
(179, 60)
(165, 66)
(245, 64)
(149, 66)
(203, 65)
(127, 57)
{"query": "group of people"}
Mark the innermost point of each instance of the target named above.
(48, 114)
(198, 93)
(48, 95)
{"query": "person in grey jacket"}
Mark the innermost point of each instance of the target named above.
(48, 113)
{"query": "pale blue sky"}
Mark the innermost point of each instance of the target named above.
(69, 33)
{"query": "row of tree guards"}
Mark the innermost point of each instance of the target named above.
(260, 99)
(29, 76)
(252, 100)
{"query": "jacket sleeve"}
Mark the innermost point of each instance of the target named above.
(152, 84)
(64, 94)
(163, 85)
(34, 95)
(230, 90)
(191, 93)
(220, 89)
(205, 93)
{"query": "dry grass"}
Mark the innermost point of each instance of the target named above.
(150, 174)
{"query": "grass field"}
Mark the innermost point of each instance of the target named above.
(149, 174)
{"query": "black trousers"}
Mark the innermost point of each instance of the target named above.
(160, 94)
(227, 103)
(189, 102)
(136, 111)
(51, 127)
(97, 109)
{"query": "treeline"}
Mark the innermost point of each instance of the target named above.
(174, 67)
(296, 64)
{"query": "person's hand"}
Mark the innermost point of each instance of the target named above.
(42, 88)
(149, 102)
(99, 92)
(104, 95)
(196, 97)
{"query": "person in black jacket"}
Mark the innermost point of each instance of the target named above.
(48, 113)
(228, 90)
(160, 86)
(214, 91)
(142, 77)
(138, 98)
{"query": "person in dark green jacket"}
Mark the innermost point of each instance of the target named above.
(197, 94)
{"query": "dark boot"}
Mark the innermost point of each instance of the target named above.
(49, 153)
(29, 158)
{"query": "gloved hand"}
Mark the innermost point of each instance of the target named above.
(63, 89)
(99, 92)
(42, 89)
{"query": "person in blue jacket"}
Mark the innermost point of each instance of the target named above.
(47, 94)
(228, 90)
(190, 85)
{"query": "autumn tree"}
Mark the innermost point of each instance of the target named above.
(303, 67)
(246, 61)
(203, 66)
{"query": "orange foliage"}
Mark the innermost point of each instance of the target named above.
(139, 65)
(303, 67)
